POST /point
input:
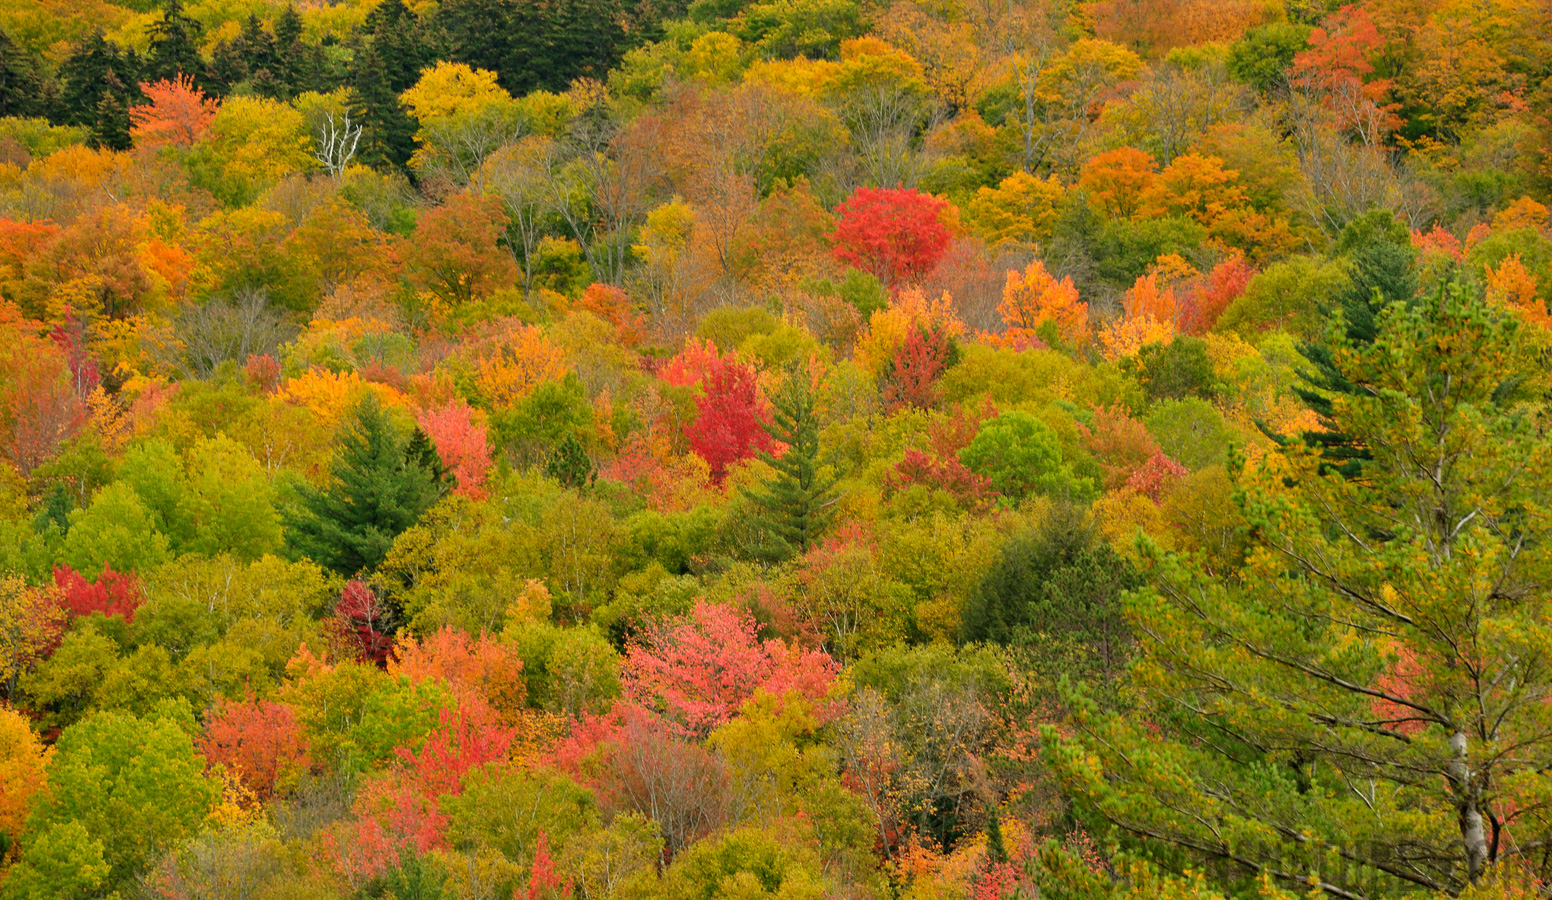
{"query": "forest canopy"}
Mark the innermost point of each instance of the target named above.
(735, 449)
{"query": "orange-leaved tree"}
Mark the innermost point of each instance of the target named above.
(1033, 300)
(179, 114)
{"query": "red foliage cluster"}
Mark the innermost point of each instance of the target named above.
(897, 234)
(1154, 477)
(730, 417)
(260, 741)
(263, 372)
(462, 443)
(1206, 300)
(113, 594)
(543, 882)
(920, 362)
(70, 337)
(361, 619)
(698, 670)
(945, 473)
(461, 741)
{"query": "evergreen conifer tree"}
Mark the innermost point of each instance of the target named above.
(569, 463)
(22, 85)
(174, 46)
(381, 484)
(390, 52)
(1362, 708)
(796, 504)
(1382, 273)
(99, 83)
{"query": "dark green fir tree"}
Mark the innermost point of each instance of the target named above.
(797, 502)
(174, 46)
(99, 83)
(381, 483)
(22, 85)
(1382, 273)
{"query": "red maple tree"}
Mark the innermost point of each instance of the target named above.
(462, 443)
(113, 593)
(697, 670)
(898, 234)
(730, 419)
(260, 741)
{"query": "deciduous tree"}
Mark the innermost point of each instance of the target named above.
(896, 234)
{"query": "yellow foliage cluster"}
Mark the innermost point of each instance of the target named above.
(330, 395)
(1021, 210)
(888, 328)
(23, 759)
(510, 370)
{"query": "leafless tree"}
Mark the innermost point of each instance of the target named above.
(516, 174)
(227, 329)
(335, 139)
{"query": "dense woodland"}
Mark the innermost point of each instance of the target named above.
(960, 449)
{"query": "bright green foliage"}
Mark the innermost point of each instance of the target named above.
(1354, 691)
(154, 470)
(568, 670)
(797, 502)
(378, 490)
(116, 529)
(135, 785)
(230, 502)
(1022, 455)
(397, 713)
(1259, 59)
(62, 863)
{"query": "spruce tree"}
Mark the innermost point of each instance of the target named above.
(22, 85)
(392, 48)
(174, 46)
(381, 483)
(99, 83)
(1382, 274)
(796, 504)
(569, 463)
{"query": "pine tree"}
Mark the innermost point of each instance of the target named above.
(174, 46)
(1363, 708)
(381, 485)
(1382, 274)
(569, 463)
(798, 501)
